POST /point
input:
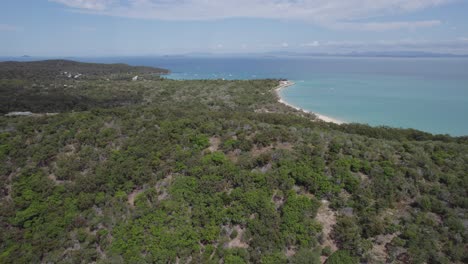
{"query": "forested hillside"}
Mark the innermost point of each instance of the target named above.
(163, 171)
(51, 69)
(60, 85)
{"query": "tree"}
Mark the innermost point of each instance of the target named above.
(341, 257)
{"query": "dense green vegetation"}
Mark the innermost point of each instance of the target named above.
(165, 171)
(60, 85)
(52, 69)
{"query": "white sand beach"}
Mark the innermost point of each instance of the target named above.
(285, 84)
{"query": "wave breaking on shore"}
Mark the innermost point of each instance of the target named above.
(286, 84)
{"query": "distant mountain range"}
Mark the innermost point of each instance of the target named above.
(377, 54)
(409, 54)
(395, 54)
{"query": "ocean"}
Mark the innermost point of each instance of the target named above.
(429, 94)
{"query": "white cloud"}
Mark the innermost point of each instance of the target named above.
(331, 13)
(385, 26)
(311, 44)
(458, 46)
(284, 45)
(86, 4)
(6, 27)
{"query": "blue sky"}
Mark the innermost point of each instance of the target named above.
(157, 27)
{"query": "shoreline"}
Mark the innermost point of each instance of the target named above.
(285, 84)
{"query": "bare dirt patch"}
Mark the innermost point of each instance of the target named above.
(290, 251)
(278, 200)
(379, 250)
(237, 241)
(284, 145)
(327, 218)
(363, 176)
(214, 144)
(257, 151)
(9, 187)
(234, 155)
(302, 191)
(133, 195)
(263, 169)
(69, 149)
(55, 180)
(161, 187)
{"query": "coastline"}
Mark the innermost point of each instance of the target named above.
(286, 84)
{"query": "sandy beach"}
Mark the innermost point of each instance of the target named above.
(286, 84)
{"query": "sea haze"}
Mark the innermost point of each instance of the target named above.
(429, 94)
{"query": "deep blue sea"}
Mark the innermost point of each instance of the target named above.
(429, 94)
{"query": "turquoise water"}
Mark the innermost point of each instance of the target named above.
(429, 94)
(433, 105)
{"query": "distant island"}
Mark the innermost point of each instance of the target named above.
(389, 54)
(111, 163)
(377, 54)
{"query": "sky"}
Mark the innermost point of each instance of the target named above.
(165, 27)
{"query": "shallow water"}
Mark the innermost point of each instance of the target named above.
(429, 94)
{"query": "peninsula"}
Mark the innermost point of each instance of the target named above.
(153, 170)
(285, 84)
